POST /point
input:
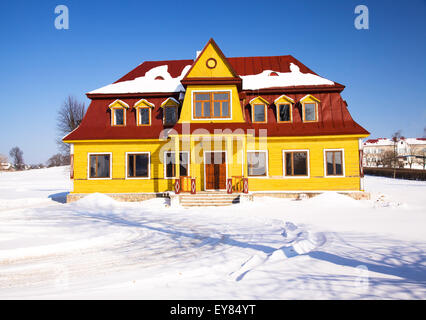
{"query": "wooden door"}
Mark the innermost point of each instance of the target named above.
(215, 166)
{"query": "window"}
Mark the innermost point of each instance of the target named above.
(170, 167)
(144, 116)
(284, 108)
(309, 108)
(296, 163)
(118, 113)
(99, 166)
(284, 113)
(259, 113)
(334, 163)
(310, 112)
(143, 112)
(211, 104)
(170, 115)
(258, 109)
(138, 165)
(257, 164)
(118, 116)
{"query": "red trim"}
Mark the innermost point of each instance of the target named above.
(177, 186)
(229, 185)
(193, 186)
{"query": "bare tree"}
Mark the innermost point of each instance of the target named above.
(386, 159)
(18, 158)
(70, 116)
(58, 160)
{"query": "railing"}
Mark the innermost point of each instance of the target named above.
(237, 184)
(185, 184)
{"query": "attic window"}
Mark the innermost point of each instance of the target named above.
(284, 113)
(309, 108)
(159, 78)
(273, 74)
(170, 111)
(284, 109)
(118, 117)
(170, 115)
(259, 109)
(259, 113)
(143, 112)
(118, 113)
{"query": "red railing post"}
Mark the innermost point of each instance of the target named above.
(245, 185)
(193, 186)
(177, 186)
(229, 185)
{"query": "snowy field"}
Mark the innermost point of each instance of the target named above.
(327, 247)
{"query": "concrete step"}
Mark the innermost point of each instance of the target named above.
(206, 204)
(208, 200)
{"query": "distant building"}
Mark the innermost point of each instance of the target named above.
(5, 166)
(377, 151)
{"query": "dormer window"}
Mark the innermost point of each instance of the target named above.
(309, 108)
(259, 113)
(284, 108)
(211, 105)
(143, 112)
(170, 111)
(259, 110)
(118, 117)
(118, 113)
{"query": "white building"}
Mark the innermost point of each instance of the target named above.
(375, 150)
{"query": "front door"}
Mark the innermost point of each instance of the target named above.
(215, 166)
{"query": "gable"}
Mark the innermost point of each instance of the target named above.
(211, 63)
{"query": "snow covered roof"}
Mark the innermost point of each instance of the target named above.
(157, 79)
(378, 142)
(389, 142)
(256, 73)
(273, 79)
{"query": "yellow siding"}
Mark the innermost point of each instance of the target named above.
(317, 179)
(200, 69)
(274, 182)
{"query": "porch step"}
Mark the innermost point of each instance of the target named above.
(205, 199)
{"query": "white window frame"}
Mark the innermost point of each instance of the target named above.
(88, 165)
(209, 119)
(165, 165)
(149, 165)
(267, 165)
(343, 163)
(308, 164)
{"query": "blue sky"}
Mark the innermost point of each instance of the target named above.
(383, 67)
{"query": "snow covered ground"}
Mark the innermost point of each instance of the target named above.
(327, 247)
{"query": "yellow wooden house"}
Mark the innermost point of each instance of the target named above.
(242, 125)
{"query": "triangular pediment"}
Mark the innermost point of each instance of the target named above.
(211, 63)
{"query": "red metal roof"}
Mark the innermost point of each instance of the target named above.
(334, 119)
